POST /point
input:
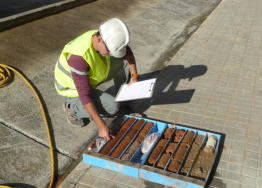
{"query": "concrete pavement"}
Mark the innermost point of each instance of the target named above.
(215, 84)
(157, 28)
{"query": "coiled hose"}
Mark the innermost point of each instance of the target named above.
(5, 76)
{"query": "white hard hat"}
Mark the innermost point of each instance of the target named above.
(115, 36)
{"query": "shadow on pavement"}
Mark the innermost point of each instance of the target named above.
(165, 88)
(148, 184)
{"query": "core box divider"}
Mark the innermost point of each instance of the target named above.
(133, 139)
(173, 154)
(169, 140)
(117, 143)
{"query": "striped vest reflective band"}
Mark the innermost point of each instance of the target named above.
(98, 66)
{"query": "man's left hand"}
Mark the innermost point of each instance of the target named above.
(132, 80)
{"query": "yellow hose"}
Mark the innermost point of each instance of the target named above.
(5, 76)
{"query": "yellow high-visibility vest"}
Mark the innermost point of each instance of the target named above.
(98, 66)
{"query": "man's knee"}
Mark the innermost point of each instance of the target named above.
(114, 108)
(108, 103)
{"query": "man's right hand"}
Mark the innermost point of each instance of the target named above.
(103, 132)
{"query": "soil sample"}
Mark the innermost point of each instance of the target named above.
(127, 139)
(178, 135)
(211, 144)
(163, 160)
(171, 147)
(203, 164)
(204, 161)
(168, 133)
(141, 136)
(169, 151)
(192, 153)
(157, 151)
(131, 150)
(180, 153)
(144, 131)
(112, 142)
(178, 158)
(188, 137)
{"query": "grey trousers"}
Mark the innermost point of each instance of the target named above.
(104, 102)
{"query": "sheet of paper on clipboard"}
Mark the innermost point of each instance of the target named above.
(138, 90)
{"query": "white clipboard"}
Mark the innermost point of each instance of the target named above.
(137, 90)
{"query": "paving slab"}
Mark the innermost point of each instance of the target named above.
(157, 34)
(25, 162)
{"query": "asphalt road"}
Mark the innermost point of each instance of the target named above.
(12, 7)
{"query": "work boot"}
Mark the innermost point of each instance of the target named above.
(70, 119)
